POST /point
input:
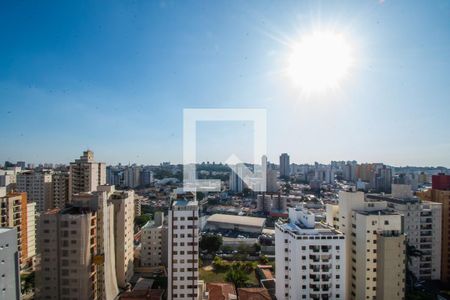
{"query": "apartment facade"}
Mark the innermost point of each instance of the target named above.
(16, 212)
(38, 186)
(422, 226)
(285, 167)
(60, 188)
(86, 174)
(310, 258)
(440, 193)
(152, 242)
(378, 255)
(183, 247)
(9, 260)
(365, 221)
(123, 202)
(80, 257)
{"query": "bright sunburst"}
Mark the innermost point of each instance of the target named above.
(319, 61)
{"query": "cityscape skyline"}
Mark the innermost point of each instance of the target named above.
(120, 79)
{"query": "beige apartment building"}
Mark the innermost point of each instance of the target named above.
(123, 202)
(378, 255)
(153, 246)
(85, 248)
(365, 223)
(86, 174)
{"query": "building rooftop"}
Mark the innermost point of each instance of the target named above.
(254, 294)
(5, 229)
(220, 291)
(390, 198)
(74, 210)
(184, 202)
(151, 224)
(298, 229)
(380, 212)
(238, 220)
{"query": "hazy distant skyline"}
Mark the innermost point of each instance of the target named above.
(115, 78)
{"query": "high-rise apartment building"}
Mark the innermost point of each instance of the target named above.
(285, 168)
(60, 188)
(86, 174)
(9, 265)
(123, 202)
(31, 234)
(422, 226)
(80, 255)
(371, 228)
(16, 212)
(8, 179)
(152, 242)
(38, 186)
(310, 258)
(440, 193)
(132, 176)
(236, 183)
(183, 247)
(378, 255)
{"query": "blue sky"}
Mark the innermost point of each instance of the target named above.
(115, 78)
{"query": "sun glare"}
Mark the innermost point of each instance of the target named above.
(318, 62)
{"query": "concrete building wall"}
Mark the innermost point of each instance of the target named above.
(60, 182)
(183, 250)
(124, 234)
(390, 267)
(367, 226)
(309, 266)
(38, 186)
(151, 245)
(86, 174)
(31, 230)
(68, 245)
(78, 250)
(9, 265)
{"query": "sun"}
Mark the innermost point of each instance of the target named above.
(320, 61)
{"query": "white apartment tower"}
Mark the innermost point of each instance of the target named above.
(86, 174)
(9, 262)
(183, 247)
(236, 182)
(38, 186)
(310, 258)
(31, 231)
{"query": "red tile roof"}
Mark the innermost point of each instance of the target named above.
(254, 294)
(220, 291)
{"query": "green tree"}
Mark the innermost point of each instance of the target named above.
(211, 243)
(27, 281)
(411, 252)
(237, 276)
(142, 220)
(264, 259)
